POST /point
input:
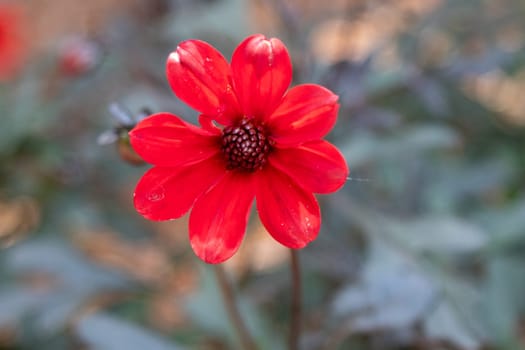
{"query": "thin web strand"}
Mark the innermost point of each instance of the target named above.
(358, 179)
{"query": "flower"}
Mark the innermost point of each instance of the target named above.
(79, 55)
(12, 46)
(268, 147)
(119, 134)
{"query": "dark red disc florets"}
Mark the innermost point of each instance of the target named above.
(245, 146)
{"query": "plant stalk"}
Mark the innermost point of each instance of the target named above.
(295, 306)
(232, 309)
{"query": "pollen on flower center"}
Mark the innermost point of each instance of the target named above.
(245, 146)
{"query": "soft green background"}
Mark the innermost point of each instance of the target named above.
(424, 248)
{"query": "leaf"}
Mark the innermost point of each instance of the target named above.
(63, 262)
(475, 65)
(503, 295)
(505, 225)
(392, 293)
(445, 235)
(458, 181)
(367, 148)
(76, 280)
(25, 114)
(104, 332)
(440, 234)
(206, 308)
(443, 324)
(432, 95)
(54, 314)
(380, 81)
(224, 17)
(16, 302)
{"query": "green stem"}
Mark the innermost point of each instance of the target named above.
(295, 310)
(230, 304)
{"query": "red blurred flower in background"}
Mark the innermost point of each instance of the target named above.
(78, 55)
(12, 44)
(268, 147)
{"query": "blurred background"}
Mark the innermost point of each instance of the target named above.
(424, 248)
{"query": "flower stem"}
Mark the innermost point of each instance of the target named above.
(295, 309)
(230, 304)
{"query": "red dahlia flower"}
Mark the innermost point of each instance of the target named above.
(11, 42)
(268, 148)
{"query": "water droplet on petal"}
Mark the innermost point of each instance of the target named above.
(157, 194)
(221, 109)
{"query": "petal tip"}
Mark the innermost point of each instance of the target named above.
(174, 56)
(211, 253)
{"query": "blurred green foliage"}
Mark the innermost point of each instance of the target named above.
(423, 248)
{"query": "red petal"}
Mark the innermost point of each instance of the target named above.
(219, 218)
(307, 112)
(262, 71)
(200, 76)
(208, 125)
(288, 212)
(165, 140)
(13, 41)
(317, 166)
(168, 193)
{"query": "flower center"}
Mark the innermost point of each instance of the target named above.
(245, 146)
